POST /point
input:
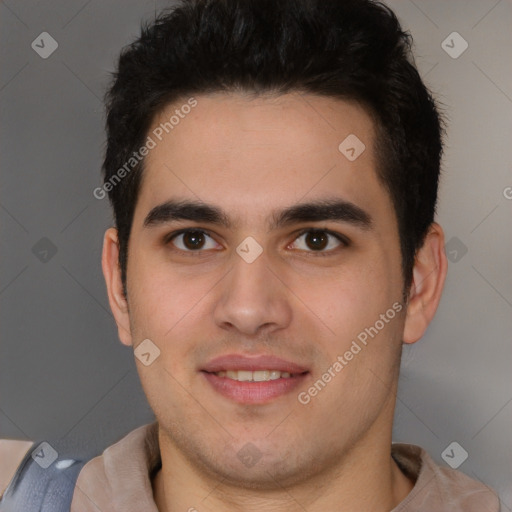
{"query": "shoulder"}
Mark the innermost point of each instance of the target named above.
(441, 488)
(35, 478)
(12, 452)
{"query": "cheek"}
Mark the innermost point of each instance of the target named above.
(362, 360)
(171, 308)
(363, 311)
(352, 297)
(159, 294)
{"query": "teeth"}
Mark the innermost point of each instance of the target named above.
(244, 375)
(257, 376)
(260, 375)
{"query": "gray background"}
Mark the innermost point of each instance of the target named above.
(65, 377)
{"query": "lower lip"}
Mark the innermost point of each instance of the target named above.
(253, 392)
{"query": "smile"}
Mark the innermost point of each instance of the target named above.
(256, 376)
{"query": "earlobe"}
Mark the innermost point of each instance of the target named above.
(112, 275)
(429, 274)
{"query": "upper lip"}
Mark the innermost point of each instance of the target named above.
(252, 363)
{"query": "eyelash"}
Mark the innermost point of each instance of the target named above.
(340, 238)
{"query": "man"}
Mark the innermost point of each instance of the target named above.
(273, 170)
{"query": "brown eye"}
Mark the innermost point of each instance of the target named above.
(192, 241)
(318, 241)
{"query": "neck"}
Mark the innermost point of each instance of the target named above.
(366, 478)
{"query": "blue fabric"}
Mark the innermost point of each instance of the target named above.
(37, 489)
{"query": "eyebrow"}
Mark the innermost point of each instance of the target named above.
(336, 210)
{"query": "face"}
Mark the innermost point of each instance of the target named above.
(279, 327)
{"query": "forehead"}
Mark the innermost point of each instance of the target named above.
(256, 153)
(224, 124)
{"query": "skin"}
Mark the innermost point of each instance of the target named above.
(251, 157)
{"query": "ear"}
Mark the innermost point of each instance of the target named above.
(429, 274)
(112, 273)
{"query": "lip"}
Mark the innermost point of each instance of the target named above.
(253, 392)
(254, 363)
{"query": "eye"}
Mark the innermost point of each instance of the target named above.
(191, 240)
(320, 241)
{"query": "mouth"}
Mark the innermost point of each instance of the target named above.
(253, 380)
(257, 376)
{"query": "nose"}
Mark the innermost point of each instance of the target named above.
(253, 298)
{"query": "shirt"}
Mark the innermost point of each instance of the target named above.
(119, 480)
